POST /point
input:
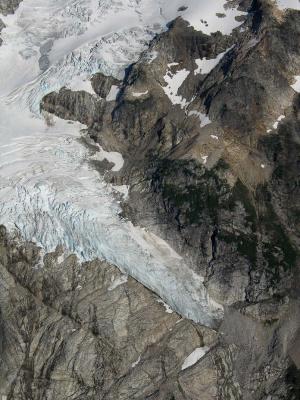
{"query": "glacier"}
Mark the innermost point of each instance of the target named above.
(49, 191)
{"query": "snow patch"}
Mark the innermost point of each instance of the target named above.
(205, 66)
(296, 85)
(214, 137)
(118, 282)
(135, 94)
(60, 259)
(174, 82)
(113, 93)
(204, 158)
(173, 64)
(195, 356)
(167, 307)
(111, 156)
(280, 118)
(136, 362)
(204, 119)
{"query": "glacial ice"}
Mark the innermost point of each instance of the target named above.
(49, 191)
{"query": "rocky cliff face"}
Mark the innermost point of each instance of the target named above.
(9, 6)
(209, 129)
(72, 330)
(85, 331)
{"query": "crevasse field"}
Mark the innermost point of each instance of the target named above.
(49, 192)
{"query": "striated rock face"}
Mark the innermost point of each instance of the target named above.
(71, 330)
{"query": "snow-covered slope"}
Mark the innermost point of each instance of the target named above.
(49, 191)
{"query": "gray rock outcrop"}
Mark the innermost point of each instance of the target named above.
(9, 6)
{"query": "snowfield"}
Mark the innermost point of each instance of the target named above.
(49, 191)
(285, 4)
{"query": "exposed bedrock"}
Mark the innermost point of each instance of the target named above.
(71, 330)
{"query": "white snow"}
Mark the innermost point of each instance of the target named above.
(204, 158)
(149, 57)
(284, 4)
(48, 187)
(112, 156)
(205, 66)
(202, 14)
(60, 259)
(140, 94)
(174, 82)
(296, 85)
(123, 190)
(136, 362)
(280, 118)
(173, 64)
(214, 137)
(195, 356)
(118, 282)
(276, 123)
(167, 307)
(113, 93)
(204, 119)
(78, 83)
(263, 166)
